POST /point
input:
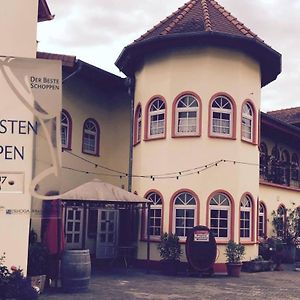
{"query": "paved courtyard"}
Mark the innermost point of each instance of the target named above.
(136, 284)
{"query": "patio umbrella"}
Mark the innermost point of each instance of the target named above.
(97, 190)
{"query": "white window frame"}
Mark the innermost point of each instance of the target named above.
(65, 130)
(188, 102)
(246, 207)
(220, 202)
(155, 206)
(90, 128)
(186, 202)
(261, 220)
(221, 102)
(156, 109)
(138, 125)
(247, 122)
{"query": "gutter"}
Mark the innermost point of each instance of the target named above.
(130, 84)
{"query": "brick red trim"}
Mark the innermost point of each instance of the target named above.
(70, 129)
(146, 136)
(97, 137)
(233, 136)
(135, 126)
(232, 214)
(174, 106)
(143, 236)
(254, 125)
(252, 229)
(171, 208)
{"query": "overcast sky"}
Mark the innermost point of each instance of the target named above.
(96, 31)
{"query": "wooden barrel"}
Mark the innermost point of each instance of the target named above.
(75, 270)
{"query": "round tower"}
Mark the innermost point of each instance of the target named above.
(198, 78)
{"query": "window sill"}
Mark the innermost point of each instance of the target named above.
(136, 143)
(92, 154)
(175, 136)
(154, 138)
(249, 142)
(222, 137)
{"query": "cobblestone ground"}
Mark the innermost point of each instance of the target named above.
(133, 284)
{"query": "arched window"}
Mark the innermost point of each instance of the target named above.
(155, 216)
(295, 169)
(222, 117)
(285, 167)
(263, 160)
(156, 119)
(280, 221)
(187, 116)
(138, 125)
(246, 216)
(247, 122)
(220, 216)
(275, 170)
(184, 212)
(262, 220)
(66, 130)
(91, 137)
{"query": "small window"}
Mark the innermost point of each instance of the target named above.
(66, 129)
(247, 122)
(92, 222)
(221, 117)
(184, 212)
(245, 218)
(220, 216)
(156, 119)
(187, 116)
(138, 125)
(262, 220)
(91, 137)
(280, 221)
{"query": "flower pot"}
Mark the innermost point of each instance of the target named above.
(234, 269)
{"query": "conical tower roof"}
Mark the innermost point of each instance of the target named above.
(201, 23)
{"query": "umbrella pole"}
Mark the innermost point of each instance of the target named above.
(148, 237)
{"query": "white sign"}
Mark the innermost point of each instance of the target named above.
(201, 236)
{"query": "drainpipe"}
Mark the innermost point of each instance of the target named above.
(130, 84)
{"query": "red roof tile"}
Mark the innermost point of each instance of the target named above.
(67, 60)
(197, 16)
(44, 13)
(288, 115)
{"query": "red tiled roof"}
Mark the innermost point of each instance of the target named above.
(44, 13)
(200, 23)
(288, 115)
(67, 60)
(197, 16)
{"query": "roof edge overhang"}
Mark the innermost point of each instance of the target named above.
(44, 13)
(279, 125)
(269, 59)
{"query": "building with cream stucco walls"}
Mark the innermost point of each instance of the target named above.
(196, 143)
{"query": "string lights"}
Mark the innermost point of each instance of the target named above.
(170, 175)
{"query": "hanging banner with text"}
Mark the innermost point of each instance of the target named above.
(31, 108)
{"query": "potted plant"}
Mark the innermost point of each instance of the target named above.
(170, 253)
(288, 230)
(37, 262)
(234, 254)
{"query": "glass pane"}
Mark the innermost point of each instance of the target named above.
(223, 233)
(179, 222)
(179, 212)
(102, 237)
(103, 226)
(70, 226)
(157, 222)
(110, 237)
(69, 238)
(223, 223)
(190, 213)
(223, 214)
(76, 238)
(179, 232)
(214, 223)
(78, 215)
(77, 226)
(70, 214)
(213, 213)
(190, 222)
(111, 226)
